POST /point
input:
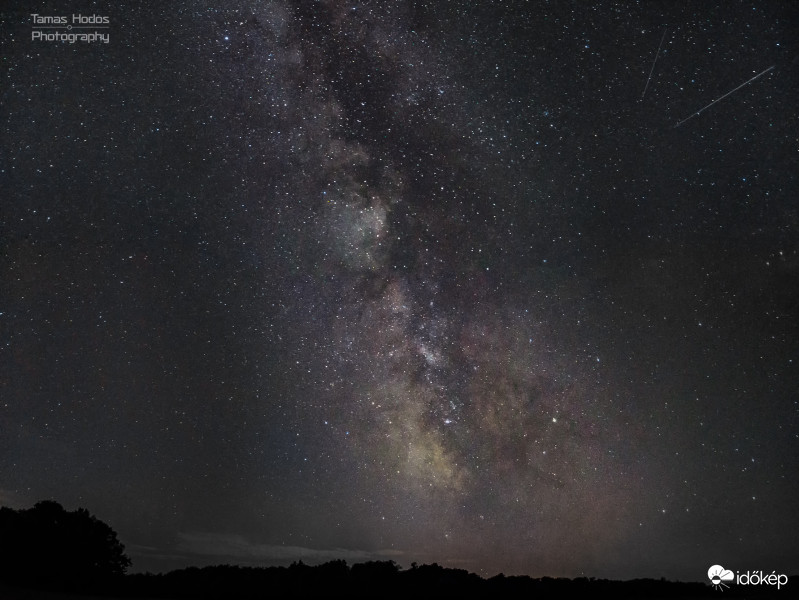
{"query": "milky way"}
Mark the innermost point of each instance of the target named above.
(401, 282)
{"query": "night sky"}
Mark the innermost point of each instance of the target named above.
(433, 282)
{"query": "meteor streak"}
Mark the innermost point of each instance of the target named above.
(724, 96)
(652, 70)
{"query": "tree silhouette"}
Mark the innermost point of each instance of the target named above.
(48, 546)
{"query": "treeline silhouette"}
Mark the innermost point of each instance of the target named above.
(385, 579)
(48, 548)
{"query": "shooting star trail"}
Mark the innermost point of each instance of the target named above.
(724, 96)
(652, 70)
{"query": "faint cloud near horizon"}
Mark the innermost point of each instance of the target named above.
(237, 546)
(11, 500)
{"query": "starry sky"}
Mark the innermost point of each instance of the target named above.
(480, 284)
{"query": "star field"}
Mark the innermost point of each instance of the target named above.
(405, 281)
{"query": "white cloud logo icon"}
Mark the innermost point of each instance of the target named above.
(718, 575)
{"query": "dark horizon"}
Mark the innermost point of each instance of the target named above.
(47, 551)
(508, 287)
